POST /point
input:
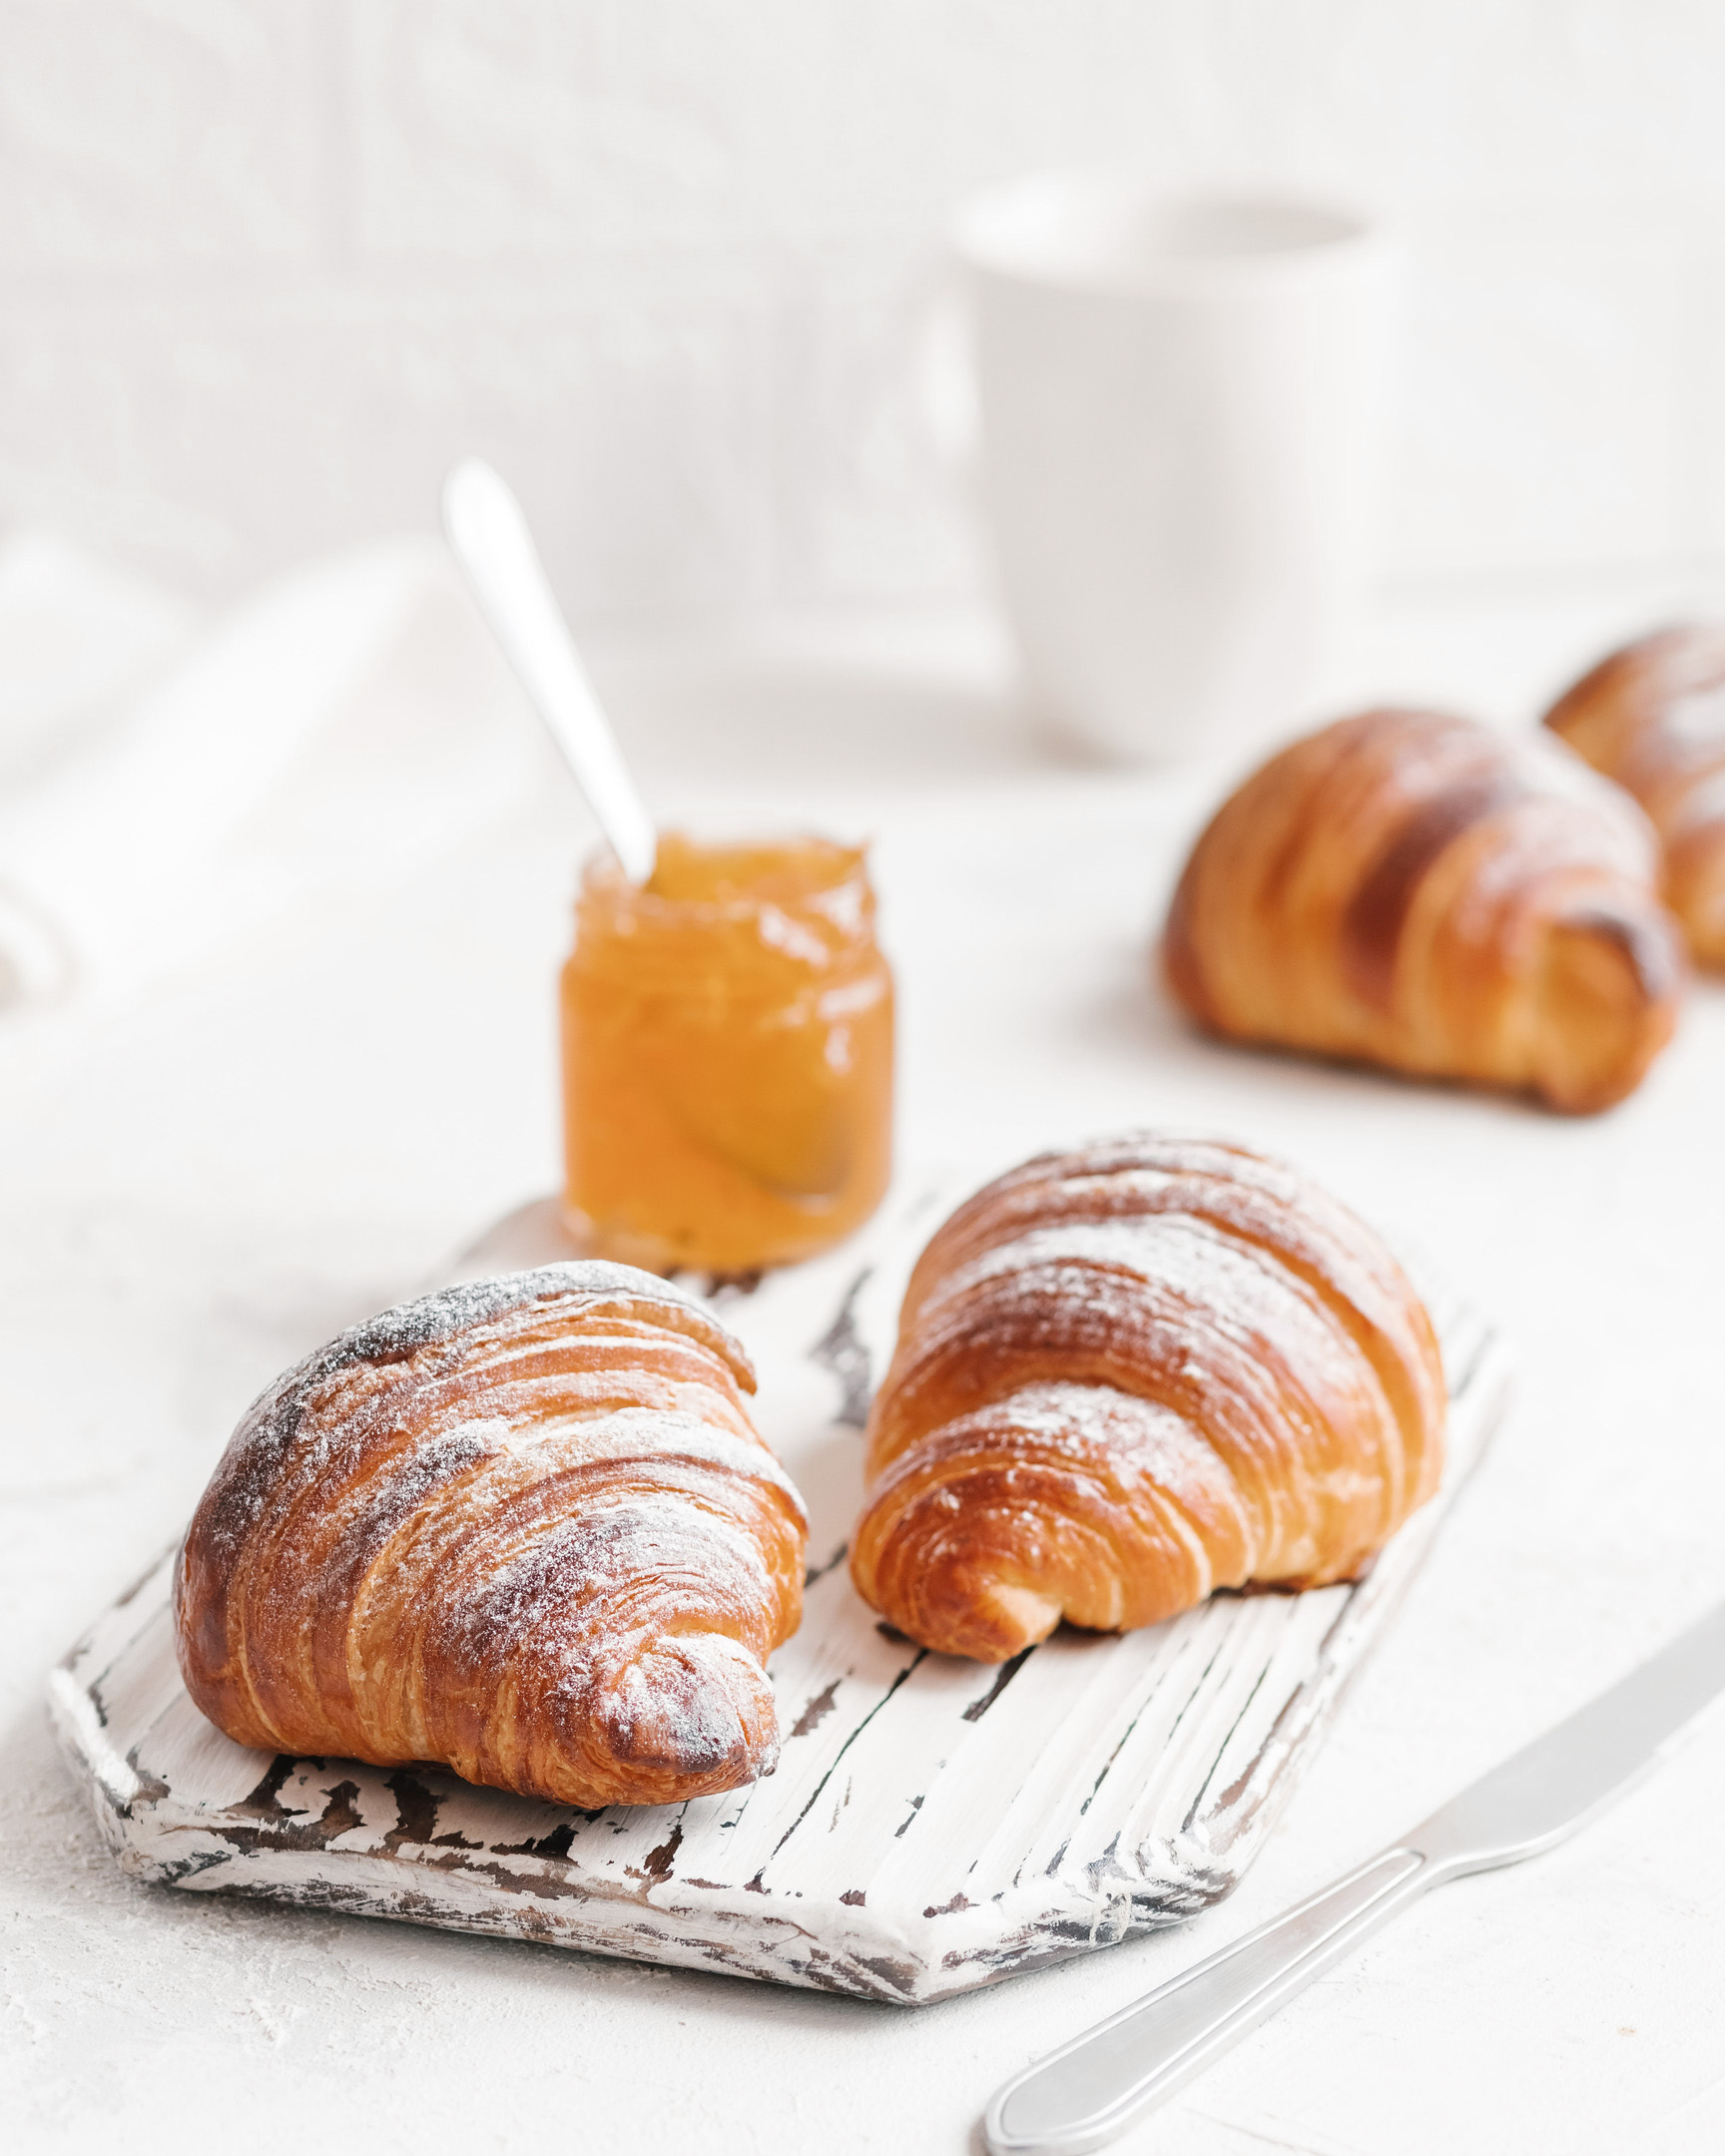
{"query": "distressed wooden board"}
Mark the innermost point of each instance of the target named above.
(932, 1825)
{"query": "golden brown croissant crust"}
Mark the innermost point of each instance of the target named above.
(1652, 717)
(1128, 1376)
(1417, 891)
(523, 1527)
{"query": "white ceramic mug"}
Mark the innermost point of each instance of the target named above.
(1181, 412)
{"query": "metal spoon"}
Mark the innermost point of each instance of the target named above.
(488, 536)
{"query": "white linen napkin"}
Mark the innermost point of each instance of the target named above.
(77, 636)
(343, 727)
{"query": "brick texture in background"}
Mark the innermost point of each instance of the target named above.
(267, 266)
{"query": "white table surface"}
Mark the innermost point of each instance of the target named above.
(203, 1180)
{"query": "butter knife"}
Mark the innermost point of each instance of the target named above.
(1092, 2089)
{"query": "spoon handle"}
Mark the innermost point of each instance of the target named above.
(489, 535)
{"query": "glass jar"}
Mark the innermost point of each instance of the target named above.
(727, 1056)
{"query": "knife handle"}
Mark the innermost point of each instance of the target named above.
(1081, 2096)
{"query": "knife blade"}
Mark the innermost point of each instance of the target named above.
(1093, 2088)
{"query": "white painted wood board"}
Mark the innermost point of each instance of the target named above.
(932, 1825)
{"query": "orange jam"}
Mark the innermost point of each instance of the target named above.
(727, 1056)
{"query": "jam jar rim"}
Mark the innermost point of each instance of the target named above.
(605, 889)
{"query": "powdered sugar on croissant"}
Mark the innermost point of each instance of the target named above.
(524, 1527)
(1129, 1376)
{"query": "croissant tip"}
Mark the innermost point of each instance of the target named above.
(979, 1620)
(1025, 1613)
(695, 1715)
(1608, 994)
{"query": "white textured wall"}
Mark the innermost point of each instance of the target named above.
(267, 264)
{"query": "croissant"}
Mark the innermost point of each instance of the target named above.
(523, 1527)
(1131, 1375)
(1652, 717)
(1416, 890)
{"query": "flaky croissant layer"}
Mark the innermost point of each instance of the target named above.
(1129, 1376)
(1652, 717)
(523, 1527)
(1410, 888)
